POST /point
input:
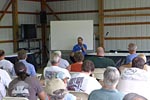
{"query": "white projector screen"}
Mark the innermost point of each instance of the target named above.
(64, 34)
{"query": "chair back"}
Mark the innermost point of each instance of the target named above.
(14, 98)
(80, 95)
(98, 73)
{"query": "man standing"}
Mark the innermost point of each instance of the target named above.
(79, 47)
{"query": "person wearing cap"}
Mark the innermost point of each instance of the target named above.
(50, 71)
(80, 46)
(31, 87)
(62, 63)
(82, 81)
(56, 90)
(135, 79)
(64, 78)
(22, 56)
(4, 83)
(5, 64)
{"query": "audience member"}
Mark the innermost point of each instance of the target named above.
(133, 96)
(24, 85)
(108, 91)
(146, 66)
(22, 56)
(135, 79)
(100, 61)
(49, 71)
(76, 67)
(82, 81)
(62, 63)
(4, 82)
(56, 90)
(78, 47)
(5, 64)
(132, 51)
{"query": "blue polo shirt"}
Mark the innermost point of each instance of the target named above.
(130, 57)
(77, 47)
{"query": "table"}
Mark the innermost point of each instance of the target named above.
(119, 58)
(31, 59)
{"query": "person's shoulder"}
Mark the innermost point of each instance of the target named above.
(97, 91)
(69, 96)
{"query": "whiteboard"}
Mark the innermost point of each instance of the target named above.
(64, 34)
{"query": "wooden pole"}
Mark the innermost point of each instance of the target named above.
(15, 23)
(101, 23)
(43, 30)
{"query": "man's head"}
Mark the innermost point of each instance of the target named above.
(88, 66)
(55, 58)
(132, 48)
(2, 54)
(78, 56)
(100, 51)
(22, 54)
(138, 62)
(111, 77)
(133, 96)
(80, 40)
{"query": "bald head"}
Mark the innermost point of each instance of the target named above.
(100, 51)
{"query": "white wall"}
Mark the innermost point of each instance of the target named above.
(114, 31)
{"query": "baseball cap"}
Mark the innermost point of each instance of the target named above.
(54, 85)
(19, 67)
(62, 75)
(58, 52)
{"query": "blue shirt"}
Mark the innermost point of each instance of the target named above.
(103, 94)
(30, 68)
(77, 47)
(69, 96)
(130, 57)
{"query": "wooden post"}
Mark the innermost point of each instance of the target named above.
(15, 23)
(43, 30)
(101, 23)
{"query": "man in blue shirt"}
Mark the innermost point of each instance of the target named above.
(79, 47)
(22, 56)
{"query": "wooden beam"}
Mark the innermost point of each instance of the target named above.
(126, 23)
(5, 10)
(127, 38)
(125, 15)
(51, 10)
(6, 41)
(127, 9)
(43, 30)
(15, 23)
(101, 23)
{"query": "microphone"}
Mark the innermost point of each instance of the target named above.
(106, 33)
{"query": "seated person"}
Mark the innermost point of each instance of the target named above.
(76, 67)
(83, 82)
(108, 91)
(132, 51)
(49, 71)
(135, 79)
(24, 85)
(22, 56)
(133, 96)
(62, 63)
(56, 90)
(100, 61)
(78, 47)
(4, 82)
(6, 64)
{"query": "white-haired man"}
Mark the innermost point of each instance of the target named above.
(62, 63)
(52, 70)
(108, 91)
(132, 51)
